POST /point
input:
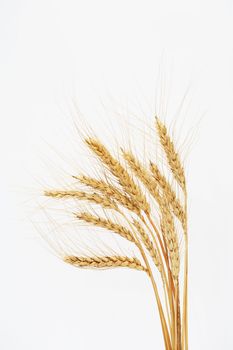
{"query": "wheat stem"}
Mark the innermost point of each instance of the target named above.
(160, 308)
(185, 288)
(178, 317)
(168, 283)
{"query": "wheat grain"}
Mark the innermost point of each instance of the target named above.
(123, 177)
(104, 262)
(171, 154)
(107, 224)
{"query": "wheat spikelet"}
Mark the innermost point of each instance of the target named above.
(115, 167)
(142, 173)
(109, 190)
(169, 193)
(107, 224)
(171, 154)
(148, 244)
(104, 262)
(104, 201)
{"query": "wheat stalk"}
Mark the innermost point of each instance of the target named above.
(157, 239)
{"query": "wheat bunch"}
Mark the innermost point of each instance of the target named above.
(151, 229)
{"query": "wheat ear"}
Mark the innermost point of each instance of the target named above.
(148, 244)
(103, 262)
(142, 173)
(169, 233)
(169, 193)
(104, 201)
(106, 224)
(173, 157)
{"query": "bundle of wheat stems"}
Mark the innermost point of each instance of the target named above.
(154, 234)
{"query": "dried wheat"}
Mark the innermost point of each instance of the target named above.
(123, 177)
(169, 193)
(160, 242)
(109, 190)
(104, 201)
(143, 174)
(148, 244)
(173, 157)
(104, 262)
(169, 232)
(107, 224)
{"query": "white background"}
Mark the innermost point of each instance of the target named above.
(111, 53)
